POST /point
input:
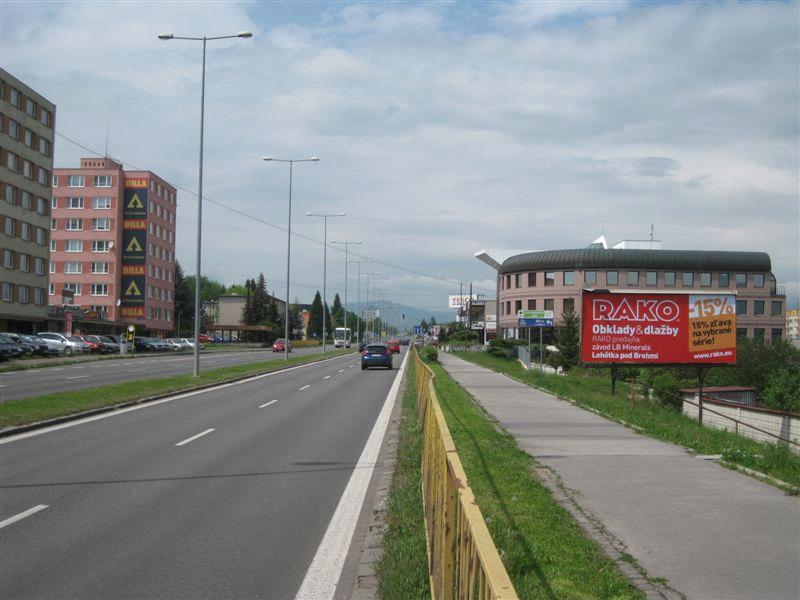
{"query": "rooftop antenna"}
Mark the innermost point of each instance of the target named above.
(651, 232)
(108, 127)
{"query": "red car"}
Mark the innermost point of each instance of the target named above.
(394, 346)
(279, 345)
(93, 346)
(204, 338)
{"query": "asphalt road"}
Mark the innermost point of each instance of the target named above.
(220, 494)
(85, 375)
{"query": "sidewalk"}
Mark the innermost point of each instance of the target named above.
(711, 532)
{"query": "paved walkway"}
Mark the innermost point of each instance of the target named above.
(711, 532)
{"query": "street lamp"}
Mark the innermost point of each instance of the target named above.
(204, 39)
(374, 297)
(324, 217)
(346, 246)
(366, 322)
(288, 244)
(358, 299)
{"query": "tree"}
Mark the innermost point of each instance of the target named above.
(338, 312)
(237, 289)
(184, 301)
(424, 325)
(315, 317)
(248, 317)
(328, 329)
(295, 317)
(209, 289)
(568, 340)
(433, 321)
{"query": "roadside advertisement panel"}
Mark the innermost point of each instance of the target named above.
(458, 301)
(134, 248)
(644, 328)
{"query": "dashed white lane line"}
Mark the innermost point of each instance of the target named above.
(327, 377)
(78, 377)
(59, 369)
(341, 371)
(266, 404)
(2, 386)
(305, 387)
(351, 366)
(134, 370)
(22, 515)
(194, 437)
(78, 367)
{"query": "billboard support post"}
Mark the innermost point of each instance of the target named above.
(701, 374)
(613, 379)
(541, 350)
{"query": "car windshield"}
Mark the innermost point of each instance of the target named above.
(5, 339)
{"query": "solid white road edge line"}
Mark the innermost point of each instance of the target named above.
(122, 411)
(323, 575)
(22, 515)
(267, 404)
(194, 437)
(305, 387)
(78, 377)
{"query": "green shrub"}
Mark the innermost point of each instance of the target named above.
(429, 353)
(783, 391)
(665, 388)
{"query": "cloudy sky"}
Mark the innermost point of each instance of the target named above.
(442, 128)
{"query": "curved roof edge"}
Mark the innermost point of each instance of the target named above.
(601, 258)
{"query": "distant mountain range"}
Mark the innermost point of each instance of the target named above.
(393, 314)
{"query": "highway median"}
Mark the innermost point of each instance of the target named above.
(29, 413)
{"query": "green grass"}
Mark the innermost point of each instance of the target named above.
(50, 406)
(403, 568)
(544, 550)
(652, 418)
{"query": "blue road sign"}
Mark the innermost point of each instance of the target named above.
(534, 322)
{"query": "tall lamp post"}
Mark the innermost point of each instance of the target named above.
(288, 244)
(374, 298)
(346, 246)
(324, 217)
(204, 39)
(358, 300)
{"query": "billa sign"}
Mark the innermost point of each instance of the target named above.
(651, 329)
(134, 248)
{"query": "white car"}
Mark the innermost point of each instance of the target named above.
(61, 341)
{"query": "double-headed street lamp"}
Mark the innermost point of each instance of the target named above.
(324, 217)
(204, 39)
(358, 299)
(288, 244)
(346, 246)
(367, 275)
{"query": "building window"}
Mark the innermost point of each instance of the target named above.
(549, 304)
(25, 231)
(669, 278)
(100, 268)
(46, 117)
(41, 205)
(758, 280)
(741, 280)
(776, 336)
(99, 289)
(27, 169)
(14, 100)
(8, 259)
(75, 288)
(100, 245)
(758, 333)
(73, 245)
(25, 263)
(11, 194)
(569, 277)
(101, 224)
(102, 181)
(12, 162)
(13, 129)
(53, 224)
(688, 279)
(74, 202)
(549, 278)
(54, 202)
(758, 308)
(22, 292)
(517, 305)
(52, 267)
(40, 236)
(73, 224)
(633, 278)
(30, 107)
(508, 277)
(38, 296)
(52, 245)
(9, 226)
(51, 289)
(101, 202)
(741, 307)
(8, 292)
(590, 277)
(43, 176)
(73, 267)
(75, 181)
(651, 277)
(517, 277)
(44, 146)
(741, 333)
(569, 304)
(508, 308)
(612, 278)
(531, 279)
(28, 138)
(777, 308)
(55, 181)
(532, 304)
(724, 280)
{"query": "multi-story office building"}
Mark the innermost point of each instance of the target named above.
(113, 243)
(27, 121)
(792, 325)
(553, 280)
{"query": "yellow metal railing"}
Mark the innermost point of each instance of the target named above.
(462, 559)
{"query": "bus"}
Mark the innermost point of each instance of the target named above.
(341, 337)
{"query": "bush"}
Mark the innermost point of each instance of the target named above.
(783, 391)
(504, 348)
(665, 388)
(429, 353)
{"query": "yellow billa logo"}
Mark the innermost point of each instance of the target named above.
(134, 246)
(135, 202)
(133, 290)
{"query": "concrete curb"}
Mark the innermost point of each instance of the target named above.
(9, 431)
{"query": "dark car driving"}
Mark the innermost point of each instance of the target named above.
(376, 355)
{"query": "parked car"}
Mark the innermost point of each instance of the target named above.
(394, 346)
(173, 343)
(27, 349)
(143, 344)
(204, 339)
(9, 348)
(376, 355)
(80, 344)
(192, 343)
(107, 344)
(281, 345)
(40, 347)
(94, 347)
(70, 347)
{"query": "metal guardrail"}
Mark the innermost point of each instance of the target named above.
(462, 559)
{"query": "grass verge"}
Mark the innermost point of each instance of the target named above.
(545, 552)
(654, 419)
(51, 406)
(403, 568)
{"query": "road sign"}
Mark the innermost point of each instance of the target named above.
(534, 322)
(535, 318)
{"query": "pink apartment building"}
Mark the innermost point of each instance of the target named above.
(112, 243)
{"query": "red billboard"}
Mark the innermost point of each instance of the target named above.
(643, 328)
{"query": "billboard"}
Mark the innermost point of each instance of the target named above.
(134, 249)
(460, 300)
(645, 328)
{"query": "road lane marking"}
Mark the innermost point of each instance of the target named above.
(351, 366)
(305, 387)
(326, 569)
(327, 377)
(78, 367)
(267, 404)
(134, 370)
(179, 396)
(194, 437)
(22, 515)
(2, 386)
(59, 369)
(341, 370)
(78, 377)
